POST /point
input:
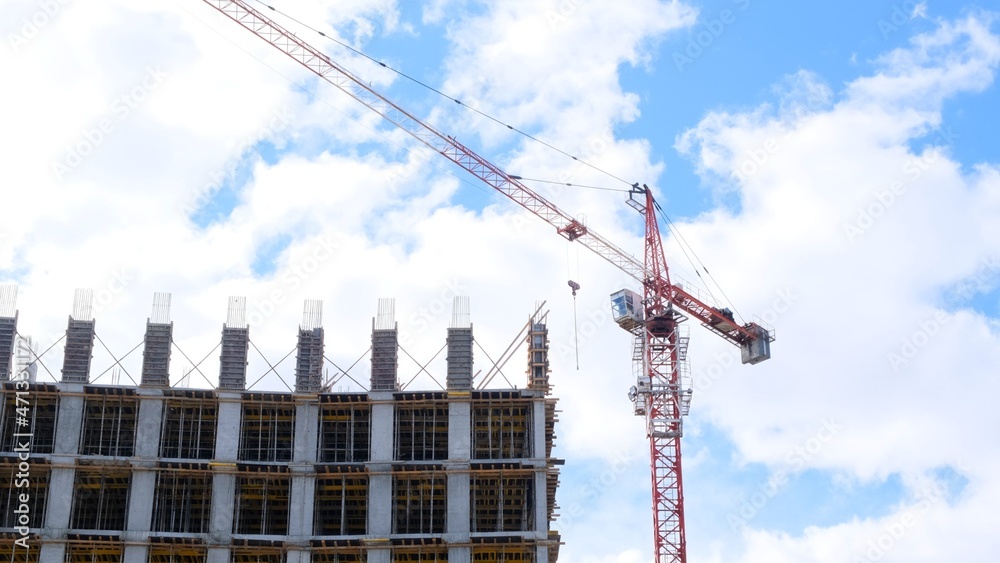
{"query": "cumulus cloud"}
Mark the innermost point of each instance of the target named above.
(856, 205)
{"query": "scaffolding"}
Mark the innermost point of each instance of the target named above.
(189, 425)
(421, 501)
(100, 497)
(39, 416)
(183, 498)
(341, 504)
(344, 429)
(421, 430)
(420, 555)
(502, 500)
(257, 554)
(94, 551)
(501, 426)
(339, 555)
(261, 505)
(538, 357)
(12, 553)
(498, 553)
(177, 553)
(14, 484)
(109, 422)
(552, 473)
(268, 427)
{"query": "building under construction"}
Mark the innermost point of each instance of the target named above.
(158, 473)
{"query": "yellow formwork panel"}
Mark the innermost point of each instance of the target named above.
(339, 556)
(503, 554)
(257, 555)
(420, 555)
(94, 552)
(12, 553)
(177, 554)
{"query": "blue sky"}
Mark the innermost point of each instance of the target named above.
(781, 138)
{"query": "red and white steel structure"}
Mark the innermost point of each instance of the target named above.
(660, 395)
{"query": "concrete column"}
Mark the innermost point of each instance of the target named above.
(60, 502)
(459, 426)
(538, 430)
(383, 416)
(217, 555)
(380, 505)
(541, 504)
(69, 421)
(227, 434)
(303, 478)
(227, 445)
(300, 505)
(140, 502)
(54, 552)
(220, 526)
(147, 438)
(142, 489)
(542, 554)
(379, 555)
(459, 522)
(460, 554)
(306, 429)
(67, 443)
(136, 554)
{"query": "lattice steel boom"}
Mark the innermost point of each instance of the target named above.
(660, 395)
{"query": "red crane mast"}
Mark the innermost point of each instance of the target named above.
(660, 394)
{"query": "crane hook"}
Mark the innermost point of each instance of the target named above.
(574, 286)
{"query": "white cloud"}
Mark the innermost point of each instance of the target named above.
(868, 233)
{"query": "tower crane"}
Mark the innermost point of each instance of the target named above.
(654, 317)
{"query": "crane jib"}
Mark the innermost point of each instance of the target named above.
(664, 402)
